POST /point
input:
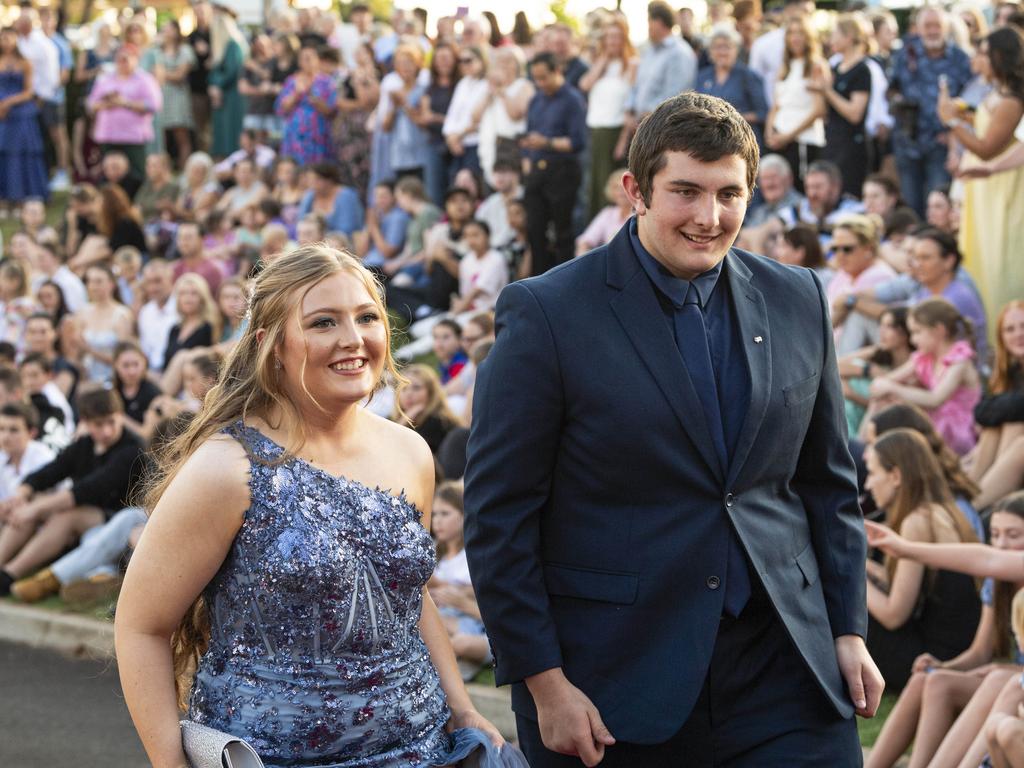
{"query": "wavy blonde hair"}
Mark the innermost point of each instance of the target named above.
(210, 312)
(249, 384)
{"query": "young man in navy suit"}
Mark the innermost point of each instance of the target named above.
(661, 512)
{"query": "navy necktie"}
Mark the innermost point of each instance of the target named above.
(692, 340)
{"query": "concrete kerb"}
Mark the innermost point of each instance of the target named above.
(92, 638)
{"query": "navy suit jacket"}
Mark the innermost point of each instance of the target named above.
(596, 510)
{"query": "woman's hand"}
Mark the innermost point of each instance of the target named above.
(216, 97)
(881, 387)
(925, 662)
(886, 539)
(946, 107)
(470, 718)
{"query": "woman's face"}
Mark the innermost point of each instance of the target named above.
(49, 299)
(169, 34)
(194, 382)
(406, 67)
(130, 367)
(413, 396)
(882, 483)
(98, 285)
(783, 251)
(851, 256)
(444, 61)
(877, 199)
(1012, 333)
(928, 265)
(839, 41)
(342, 344)
(796, 40)
(21, 247)
(890, 335)
(309, 62)
(190, 302)
(8, 41)
(445, 522)
(9, 286)
(232, 302)
(614, 41)
(938, 210)
(723, 53)
(285, 174)
(981, 63)
(470, 65)
(1007, 531)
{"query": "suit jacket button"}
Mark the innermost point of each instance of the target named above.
(713, 582)
(728, 499)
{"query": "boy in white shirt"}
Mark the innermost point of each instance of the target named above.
(482, 271)
(20, 453)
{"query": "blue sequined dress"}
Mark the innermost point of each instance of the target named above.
(315, 656)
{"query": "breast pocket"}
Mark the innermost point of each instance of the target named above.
(801, 391)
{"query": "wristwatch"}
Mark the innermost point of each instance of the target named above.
(851, 300)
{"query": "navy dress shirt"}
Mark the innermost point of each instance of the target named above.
(563, 113)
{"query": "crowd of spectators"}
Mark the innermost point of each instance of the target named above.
(148, 174)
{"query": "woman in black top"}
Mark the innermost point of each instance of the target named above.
(200, 319)
(421, 406)
(847, 89)
(444, 75)
(116, 220)
(131, 383)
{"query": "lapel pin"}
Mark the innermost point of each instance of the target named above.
(758, 339)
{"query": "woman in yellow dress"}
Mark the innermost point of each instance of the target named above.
(992, 222)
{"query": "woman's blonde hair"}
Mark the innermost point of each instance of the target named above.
(210, 312)
(855, 27)
(862, 227)
(224, 29)
(1017, 617)
(249, 384)
(437, 403)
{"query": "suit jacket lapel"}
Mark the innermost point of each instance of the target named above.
(756, 341)
(637, 309)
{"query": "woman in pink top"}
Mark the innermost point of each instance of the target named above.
(123, 103)
(610, 219)
(940, 376)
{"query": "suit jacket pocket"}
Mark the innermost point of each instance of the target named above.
(808, 565)
(588, 584)
(804, 389)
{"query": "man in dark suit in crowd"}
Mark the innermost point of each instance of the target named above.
(661, 512)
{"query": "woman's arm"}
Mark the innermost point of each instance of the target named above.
(982, 647)
(979, 560)
(517, 105)
(182, 546)
(1006, 116)
(892, 610)
(852, 109)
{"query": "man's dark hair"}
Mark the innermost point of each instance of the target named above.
(270, 208)
(42, 316)
(98, 403)
(548, 60)
(507, 165)
(8, 352)
(828, 168)
(451, 325)
(37, 358)
(703, 126)
(946, 242)
(388, 185)
(457, 192)
(24, 411)
(661, 11)
(358, 8)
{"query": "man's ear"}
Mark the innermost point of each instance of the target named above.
(632, 188)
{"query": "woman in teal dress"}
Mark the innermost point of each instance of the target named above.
(229, 50)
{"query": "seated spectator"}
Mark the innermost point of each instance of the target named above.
(21, 453)
(199, 188)
(116, 169)
(51, 301)
(159, 313)
(80, 218)
(997, 462)
(52, 432)
(310, 229)
(37, 378)
(117, 225)
(386, 226)
(482, 271)
(16, 302)
(780, 200)
(198, 320)
(858, 369)
(926, 712)
(517, 250)
(33, 220)
(199, 375)
(494, 209)
(940, 375)
(451, 587)
(858, 268)
(247, 190)
(288, 189)
(339, 205)
(249, 148)
(799, 246)
(231, 301)
(912, 612)
(610, 219)
(100, 324)
(411, 197)
(158, 194)
(941, 213)
(451, 358)
(133, 385)
(824, 200)
(48, 265)
(89, 572)
(478, 329)
(42, 518)
(193, 257)
(421, 406)
(880, 195)
(41, 339)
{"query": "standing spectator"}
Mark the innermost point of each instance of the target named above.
(50, 21)
(795, 127)
(124, 102)
(501, 115)
(159, 314)
(729, 79)
(50, 266)
(558, 41)
(194, 259)
(556, 132)
(22, 163)
(920, 140)
(610, 219)
(44, 56)
(338, 204)
(101, 324)
(780, 200)
(769, 56)
(846, 89)
(174, 60)
(667, 67)
(357, 97)
(407, 142)
(306, 104)
(257, 86)
(482, 271)
(411, 197)
(199, 188)
(91, 61)
(158, 194)
(198, 77)
(386, 225)
(607, 84)
(444, 76)
(993, 216)
(228, 52)
(459, 129)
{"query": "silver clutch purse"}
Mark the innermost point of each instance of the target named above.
(208, 748)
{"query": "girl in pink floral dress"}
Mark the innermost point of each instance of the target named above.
(940, 376)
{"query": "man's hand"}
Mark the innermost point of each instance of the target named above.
(863, 680)
(569, 722)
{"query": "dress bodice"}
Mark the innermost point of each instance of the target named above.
(315, 654)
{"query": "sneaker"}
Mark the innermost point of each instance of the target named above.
(35, 588)
(60, 182)
(95, 589)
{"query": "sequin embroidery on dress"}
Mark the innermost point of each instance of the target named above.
(315, 654)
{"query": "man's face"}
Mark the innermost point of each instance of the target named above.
(115, 167)
(547, 80)
(774, 184)
(505, 181)
(383, 199)
(656, 30)
(446, 343)
(459, 208)
(244, 174)
(39, 335)
(362, 21)
(14, 435)
(819, 191)
(695, 213)
(155, 167)
(931, 26)
(559, 43)
(105, 430)
(189, 241)
(33, 378)
(33, 214)
(157, 283)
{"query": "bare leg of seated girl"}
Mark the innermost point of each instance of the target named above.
(901, 725)
(1009, 698)
(1005, 734)
(1005, 474)
(39, 547)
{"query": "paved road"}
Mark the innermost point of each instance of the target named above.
(58, 712)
